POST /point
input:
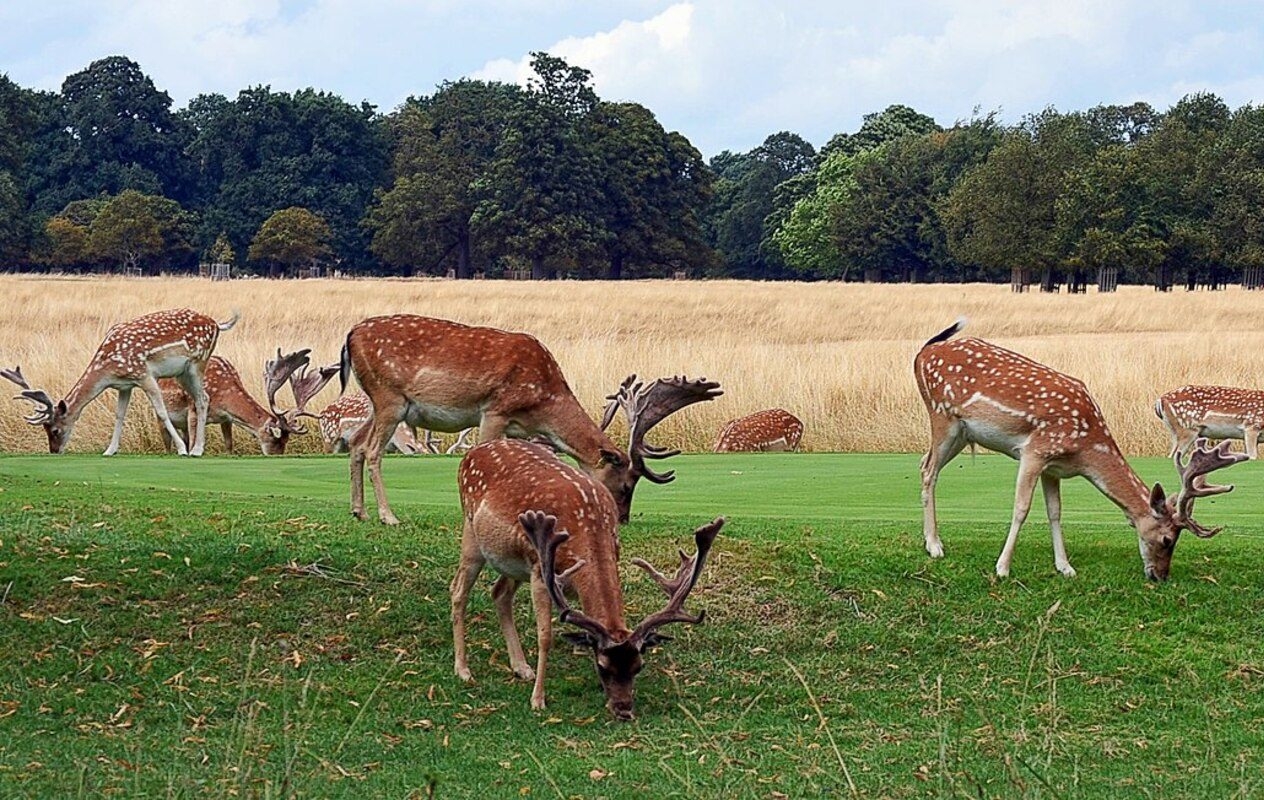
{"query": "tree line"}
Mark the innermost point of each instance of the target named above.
(549, 180)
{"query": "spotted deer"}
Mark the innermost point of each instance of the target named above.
(165, 344)
(773, 429)
(230, 404)
(978, 393)
(340, 420)
(445, 376)
(1214, 412)
(537, 519)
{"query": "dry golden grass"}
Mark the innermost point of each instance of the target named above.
(836, 355)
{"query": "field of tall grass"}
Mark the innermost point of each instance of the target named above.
(837, 355)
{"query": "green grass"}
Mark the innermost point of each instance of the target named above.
(156, 640)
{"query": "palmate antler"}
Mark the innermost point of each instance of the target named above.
(541, 531)
(43, 403)
(646, 406)
(306, 386)
(275, 373)
(1203, 459)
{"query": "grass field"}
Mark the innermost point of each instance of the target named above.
(837, 355)
(162, 638)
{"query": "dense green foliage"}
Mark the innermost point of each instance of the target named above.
(550, 180)
(218, 627)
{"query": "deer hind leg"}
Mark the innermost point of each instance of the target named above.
(120, 414)
(543, 606)
(471, 565)
(1052, 488)
(1251, 441)
(1029, 470)
(503, 593)
(371, 444)
(193, 383)
(227, 429)
(947, 440)
(150, 386)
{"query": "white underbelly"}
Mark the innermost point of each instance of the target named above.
(440, 418)
(994, 437)
(516, 568)
(1221, 430)
(168, 366)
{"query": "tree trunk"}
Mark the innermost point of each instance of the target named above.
(538, 271)
(463, 271)
(616, 267)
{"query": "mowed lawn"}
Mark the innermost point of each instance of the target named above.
(221, 627)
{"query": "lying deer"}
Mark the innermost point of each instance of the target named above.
(535, 518)
(230, 404)
(445, 376)
(771, 430)
(1214, 412)
(978, 393)
(166, 344)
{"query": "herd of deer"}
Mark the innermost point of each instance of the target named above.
(538, 519)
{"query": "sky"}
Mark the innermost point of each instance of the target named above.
(725, 73)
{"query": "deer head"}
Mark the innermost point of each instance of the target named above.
(617, 655)
(643, 408)
(45, 413)
(1170, 516)
(283, 423)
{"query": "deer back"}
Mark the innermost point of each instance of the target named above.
(150, 343)
(771, 429)
(999, 392)
(502, 479)
(1193, 406)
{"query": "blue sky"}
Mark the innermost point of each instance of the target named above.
(726, 73)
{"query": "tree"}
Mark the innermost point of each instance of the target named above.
(127, 229)
(290, 238)
(543, 200)
(65, 244)
(221, 252)
(17, 127)
(444, 149)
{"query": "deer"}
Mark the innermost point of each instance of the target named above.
(339, 420)
(165, 344)
(1213, 412)
(977, 393)
(446, 376)
(771, 430)
(230, 404)
(542, 521)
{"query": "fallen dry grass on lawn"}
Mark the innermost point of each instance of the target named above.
(837, 355)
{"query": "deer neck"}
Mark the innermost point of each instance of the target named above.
(601, 596)
(243, 408)
(90, 384)
(574, 432)
(1116, 479)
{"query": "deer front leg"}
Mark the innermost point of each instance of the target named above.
(1028, 470)
(543, 606)
(120, 414)
(471, 564)
(1251, 441)
(226, 428)
(1052, 488)
(150, 386)
(201, 403)
(503, 594)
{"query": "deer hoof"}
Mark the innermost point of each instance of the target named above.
(360, 515)
(537, 703)
(935, 549)
(524, 672)
(464, 674)
(1067, 570)
(389, 519)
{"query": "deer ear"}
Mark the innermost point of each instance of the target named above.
(580, 638)
(61, 407)
(275, 430)
(1158, 501)
(654, 640)
(612, 457)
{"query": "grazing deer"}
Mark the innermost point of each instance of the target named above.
(166, 344)
(230, 404)
(978, 393)
(535, 518)
(1214, 412)
(340, 420)
(445, 376)
(774, 429)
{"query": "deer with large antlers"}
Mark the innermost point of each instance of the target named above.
(537, 519)
(166, 344)
(445, 376)
(978, 393)
(230, 404)
(772, 430)
(1213, 412)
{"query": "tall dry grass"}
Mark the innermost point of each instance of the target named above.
(837, 355)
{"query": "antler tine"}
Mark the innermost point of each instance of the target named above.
(1202, 460)
(15, 375)
(541, 532)
(305, 386)
(680, 586)
(277, 371)
(646, 406)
